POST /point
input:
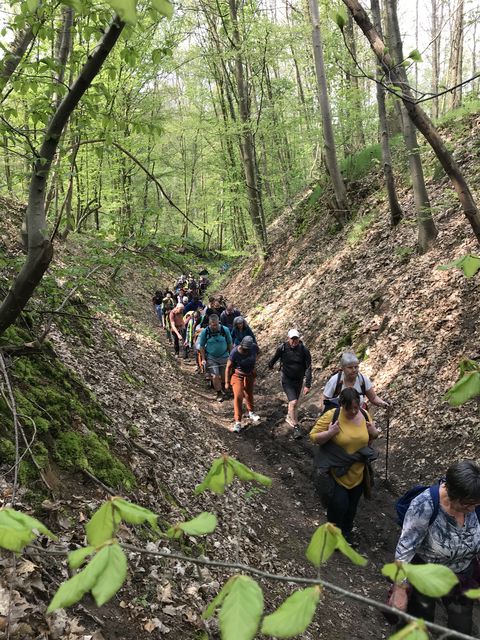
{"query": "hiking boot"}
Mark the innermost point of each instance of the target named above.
(297, 432)
(237, 427)
(289, 421)
(253, 416)
(220, 397)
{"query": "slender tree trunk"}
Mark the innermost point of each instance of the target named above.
(427, 231)
(328, 136)
(248, 142)
(354, 86)
(12, 59)
(435, 36)
(6, 164)
(396, 213)
(40, 249)
(454, 97)
(419, 117)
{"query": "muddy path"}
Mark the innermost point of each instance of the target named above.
(291, 510)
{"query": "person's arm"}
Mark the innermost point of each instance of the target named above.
(324, 429)
(174, 326)
(228, 372)
(374, 399)
(414, 531)
(308, 371)
(228, 338)
(276, 357)
(373, 432)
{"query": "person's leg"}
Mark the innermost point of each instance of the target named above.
(237, 387)
(248, 383)
(421, 606)
(459, 614)
(338, 506)
(354, 496)
(176, 344)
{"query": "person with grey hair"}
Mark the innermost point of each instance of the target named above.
(349, 377)
(441, 526)
(215, 344)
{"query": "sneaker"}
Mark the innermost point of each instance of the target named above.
(219, 396)
(289, 421)
(297, 432)
(237, 427)
(253, 416)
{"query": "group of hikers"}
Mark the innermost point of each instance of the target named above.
(439, 523)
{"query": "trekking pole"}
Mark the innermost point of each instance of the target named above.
(387, 443)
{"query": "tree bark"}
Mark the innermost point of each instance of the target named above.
(328, 136)
(453, 99)
(12, 59)
(435, 35)
(427, 231)
(419, 117)
(39, 248)
(396, 213)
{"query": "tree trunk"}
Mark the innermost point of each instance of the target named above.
(427, 231)
(453, 99)
(354, 85)
(435, 35)
(40, 249)
(64, 46)
(11, 60)
(419, 117)
(247, 143)
(328, 137)
(396, 213)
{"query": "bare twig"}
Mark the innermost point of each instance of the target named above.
(13, 408)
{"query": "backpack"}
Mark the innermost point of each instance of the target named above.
(332, 403)
(209, 334)
(402, 504)
(284, 345)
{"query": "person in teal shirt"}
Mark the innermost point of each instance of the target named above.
(215, 344)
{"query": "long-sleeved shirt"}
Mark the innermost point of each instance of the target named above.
(238, 336)
(227, 318)
(443, 542)
(296, 362)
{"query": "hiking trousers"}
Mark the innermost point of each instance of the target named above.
(242, 387)
(343, 507)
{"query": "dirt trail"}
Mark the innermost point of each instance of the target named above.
(292, 510)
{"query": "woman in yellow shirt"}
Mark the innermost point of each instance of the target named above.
(350, 434)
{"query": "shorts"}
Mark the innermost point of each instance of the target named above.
(216, 366)
(293, 388)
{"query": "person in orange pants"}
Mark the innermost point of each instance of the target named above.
(241, 374)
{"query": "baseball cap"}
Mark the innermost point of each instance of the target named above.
(293, 333)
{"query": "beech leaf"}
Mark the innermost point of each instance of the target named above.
(294, 615)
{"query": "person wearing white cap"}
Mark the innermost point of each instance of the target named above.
(296, 366)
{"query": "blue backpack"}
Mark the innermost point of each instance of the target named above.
(402, 504)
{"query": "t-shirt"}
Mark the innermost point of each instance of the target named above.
(228, 318)
(443, 542)
(216, 344)
(351, 437)
(332, 383)
(244, 363)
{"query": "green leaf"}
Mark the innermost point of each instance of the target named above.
(75, 4)
(103, 524)
(201, 525)
(126, 9)
(474, 594)
(322, 544)
(215, 479)
(465, 389)
(74, 589)
(157, 55)
(27, 521)
(241, 609)
(32, 5)
(347, 550)
(294, 615)
(433, 580)
(340, 18)
(394, 571)
(469, 264)
(415, 55)
(113, 575)
(17, 529)
(134, 514)
(219, 598)
(244, 473)
(164, 7)
(77, 557)
(414, 631)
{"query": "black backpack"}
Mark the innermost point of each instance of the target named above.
(332, 403)
(284, 346)
(222, 333)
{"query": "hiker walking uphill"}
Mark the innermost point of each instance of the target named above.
(441, 526)
(215, 344)
(228, 316)
(295, 365)
(349, 377)
(241, 374)
(241, 330)
(178, 328)
(341, 472)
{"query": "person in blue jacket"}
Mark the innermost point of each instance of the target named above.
(241, 330)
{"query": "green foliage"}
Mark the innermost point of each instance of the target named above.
(224, 470)
(294, 615)
(199, 526)
(127, 9)
(468, 386)
(414, 631)
(415, 55)
(241, 602)
(103, 576)
(340, 19)
(469, 264)
(17, 529)
(106, 520)
(358, 228)
(433, 580)
(323, 543)
(360, 164)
